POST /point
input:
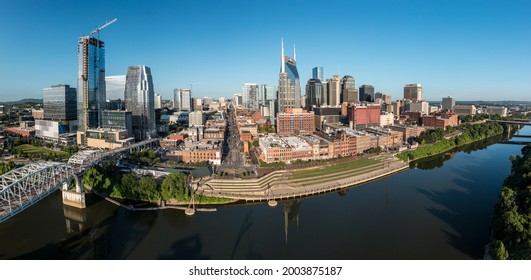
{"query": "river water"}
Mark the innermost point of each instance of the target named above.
(439, 209)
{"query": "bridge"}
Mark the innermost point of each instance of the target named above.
(515, 122)
(22, 187)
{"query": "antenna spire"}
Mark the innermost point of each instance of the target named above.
(294, 53)
(282, 57)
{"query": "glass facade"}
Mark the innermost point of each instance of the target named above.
(59, 103)
(367, 93)
(117, 119)
(289, 87)
(318, 73)
(349, 93)
(140, 100)
(90, 82)
(314, 94)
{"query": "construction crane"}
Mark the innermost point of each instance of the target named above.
(97, 30)
(194, 83)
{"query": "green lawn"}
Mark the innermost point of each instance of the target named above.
(327, 170)
(28, 149)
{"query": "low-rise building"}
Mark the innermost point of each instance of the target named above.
(105, 138)
(24, 132)
(199, 151)
(38, 114)
(441, 120)
(363, 116)
(463, 110)
(496, 110)
(408, 132)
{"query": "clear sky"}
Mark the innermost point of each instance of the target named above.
(471, 49)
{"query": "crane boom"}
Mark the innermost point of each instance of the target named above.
(97, 30)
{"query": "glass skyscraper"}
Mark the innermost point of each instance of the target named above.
(140, 100)
(314, 94)
(366, 93)
(289, 87)
(182, 99)
(59, 103)
(90, 82)
(318, 73)
(349, 92)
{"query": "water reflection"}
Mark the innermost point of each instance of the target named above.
(291, 214)
(437, 161)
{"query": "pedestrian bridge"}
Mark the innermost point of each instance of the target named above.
(22, 187)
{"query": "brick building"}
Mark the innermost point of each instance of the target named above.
(295, 121)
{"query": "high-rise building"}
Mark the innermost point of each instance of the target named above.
(448, 103)
(140, 100)
(118, 119)
(289, 88)
(318, 73)
(250, 96)
(413, 92)
(349, 92)
(158, 101)
(237, 99)
(182, 100)
(90, 82)
(314, 94)
(115, 87)
(334, 91)
(59, 103)
(269, 93)
(366, 93)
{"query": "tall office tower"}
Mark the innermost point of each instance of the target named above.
(413, 92)
(349, 92)
(158, 101)
(115, 87)
(177, 99)
(182, 99)
(314, 94)
(318, 73)
(326, 97)
(268, 93)
(334, 91)
(59, 103)
(250, 96)
(289, 87)
(90, 82)
(448, 103)
(366, 93)
(140, 100)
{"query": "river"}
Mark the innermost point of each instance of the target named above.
(439, 209)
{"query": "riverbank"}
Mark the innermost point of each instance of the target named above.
(511, 221)
(284, 185)
(473, 133)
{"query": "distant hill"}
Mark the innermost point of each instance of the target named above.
(26, 100)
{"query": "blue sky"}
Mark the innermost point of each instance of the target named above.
(476, 49)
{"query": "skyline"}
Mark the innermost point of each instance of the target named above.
(473, 50)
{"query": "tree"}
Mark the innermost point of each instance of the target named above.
(147, 189)
(93, 178)
(497, 250)
(174, 187)
(256, 143)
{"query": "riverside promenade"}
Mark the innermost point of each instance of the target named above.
(299, 183)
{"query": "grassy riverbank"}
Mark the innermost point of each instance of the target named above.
(472, 133)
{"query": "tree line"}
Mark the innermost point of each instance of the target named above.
(129, 186)
(470, 133)
(511, 222)
(7, 166)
